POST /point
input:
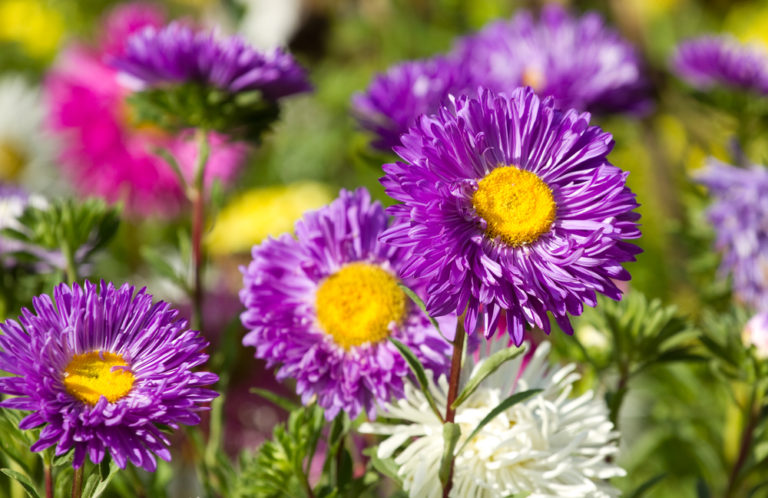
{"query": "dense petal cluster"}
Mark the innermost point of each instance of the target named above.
(549, 445)
(740, 218)
(579, 61)
(177, 53)
(712, 61)
(327, 335)
(404, 92)
(107, 153)
(91, 343)
(511, 158)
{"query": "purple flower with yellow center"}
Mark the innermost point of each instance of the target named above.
(397, 97)
(178, 54)
(579, 61)
(511, 205)
(103, 370)
(322, 306)
(740, 218)
(712, 61)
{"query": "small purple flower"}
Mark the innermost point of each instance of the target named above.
(511, 205)
(740, 217)
(178, 54)
(712, 61)
(102, 369)
(396, 98)
(323, 304)
(579, 61)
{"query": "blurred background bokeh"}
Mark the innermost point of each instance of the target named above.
(675, 424)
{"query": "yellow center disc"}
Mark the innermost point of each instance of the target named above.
(357, 304)
(92, 375)
(517, 205)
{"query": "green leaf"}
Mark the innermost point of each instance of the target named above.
(488, 367)
(386, 466)
(283, 403)
(646, 486)
(276, 470)
(423, 307)
(158, 261)
(451, 434)
(500, 408)
(24, 480)
(418, 370)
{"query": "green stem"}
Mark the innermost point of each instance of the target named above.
(71, 265)
(453, 390)
(77, 482)
(48, 480)
(753, 417)
(197, 197)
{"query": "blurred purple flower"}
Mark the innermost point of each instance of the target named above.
(577, 60)
(739, 214)
(178, 54)
(712, 61)
(397, 97)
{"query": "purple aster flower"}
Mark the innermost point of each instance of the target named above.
(396, 98)
(178, 54)
(324, 303)
(103, 370)
(579, 61)
(711, 61)
(740, 217)
(511, 205)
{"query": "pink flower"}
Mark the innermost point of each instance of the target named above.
(105, 152)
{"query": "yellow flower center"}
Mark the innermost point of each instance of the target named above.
(516, 204)
(533, 78)
(12, 161)
(92, 375)
(357, 304)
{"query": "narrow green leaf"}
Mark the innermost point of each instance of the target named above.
(386, 466)
(283, 403)
(501, 407)
(418, 370)
(451, 434)
(416, 299)
(24, 480)
(488, 367)
(647, 485)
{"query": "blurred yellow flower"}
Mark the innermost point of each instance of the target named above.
(32, 24)
(749, 23)
(651, 9)
(261, 212)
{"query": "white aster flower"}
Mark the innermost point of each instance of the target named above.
(550, 445)
(25, 149)
(270, 23)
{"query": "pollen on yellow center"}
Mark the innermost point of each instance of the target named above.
(533, 78)
(357, 304)
(89, 376)
(12, 161)
(517, 205)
